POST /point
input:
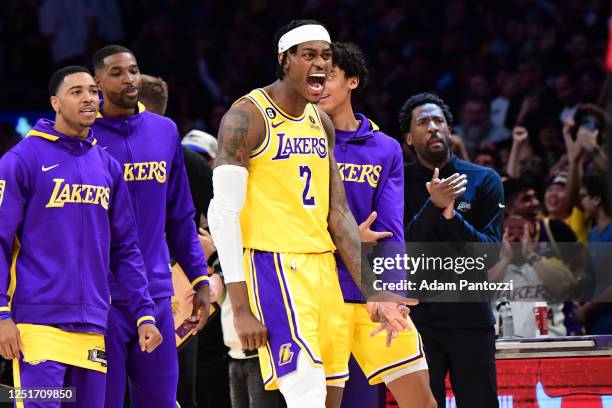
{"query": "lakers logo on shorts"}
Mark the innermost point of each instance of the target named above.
(2, 184)
(285, 355)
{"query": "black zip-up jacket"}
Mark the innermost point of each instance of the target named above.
(479, 217)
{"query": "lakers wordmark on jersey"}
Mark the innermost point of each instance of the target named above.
(287, 201)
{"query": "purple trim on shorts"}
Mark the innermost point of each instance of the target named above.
(400, 363)
(295, 328)
(270, 356)
(337, 377)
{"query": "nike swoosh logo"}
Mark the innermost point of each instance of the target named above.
(501, 205)
(275, 125)
(49, 168)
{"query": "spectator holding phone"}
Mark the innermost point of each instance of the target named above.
(531, 258)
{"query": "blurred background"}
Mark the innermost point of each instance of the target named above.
(494, 62)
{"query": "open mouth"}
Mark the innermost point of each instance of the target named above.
(316, 82)
(88, 110)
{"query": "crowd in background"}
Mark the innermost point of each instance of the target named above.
(493, 62)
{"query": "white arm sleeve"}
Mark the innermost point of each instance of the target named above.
(229, 185)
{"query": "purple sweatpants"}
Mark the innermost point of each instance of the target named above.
(152, 377)
(89, 385)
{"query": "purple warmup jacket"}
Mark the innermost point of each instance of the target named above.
(148, 148)
(66, 224)
(371, 166)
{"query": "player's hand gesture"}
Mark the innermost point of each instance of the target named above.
(149, 337)
(394, 317)
(251, 332)
(201, 307)
(10, 340)
(367, 235)
(393, 313)
(444, 192)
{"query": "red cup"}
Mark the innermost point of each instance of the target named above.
(540, 313)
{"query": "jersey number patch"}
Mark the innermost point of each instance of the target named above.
(307, 199)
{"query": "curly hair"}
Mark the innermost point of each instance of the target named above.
(349, 58)
(280, 73)
(405, 115)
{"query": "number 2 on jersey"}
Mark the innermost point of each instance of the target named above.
(306, 173)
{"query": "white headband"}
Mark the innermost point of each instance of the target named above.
(301, 34)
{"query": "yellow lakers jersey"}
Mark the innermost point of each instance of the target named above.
(287, 200)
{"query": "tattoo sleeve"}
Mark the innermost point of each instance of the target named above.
(233, 143)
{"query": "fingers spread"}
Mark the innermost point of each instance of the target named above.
(459, 183)
(384, 234)
(378, 329)
(370, 219)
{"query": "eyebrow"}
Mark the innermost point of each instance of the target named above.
(432, 115)
(119, 66)
(81, 86)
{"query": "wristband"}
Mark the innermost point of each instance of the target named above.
(145, 320)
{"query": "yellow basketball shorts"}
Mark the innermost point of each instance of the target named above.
(371, 352)
(298, 298)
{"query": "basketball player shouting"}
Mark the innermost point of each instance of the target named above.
(284, 290)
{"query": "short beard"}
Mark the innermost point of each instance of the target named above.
(436, 157)
(122, 102)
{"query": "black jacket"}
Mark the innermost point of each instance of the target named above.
(479, 217)
(199, 174)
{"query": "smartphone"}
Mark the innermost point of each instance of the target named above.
(585, 120)
(589, 122)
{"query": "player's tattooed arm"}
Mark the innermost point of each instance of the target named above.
(241, 131)
(342, 225)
